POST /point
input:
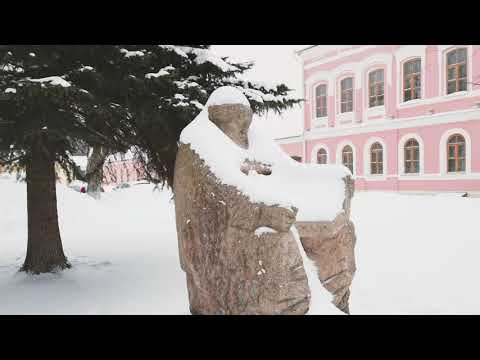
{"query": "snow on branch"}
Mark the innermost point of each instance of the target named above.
(52, 80)
(128, 54)
(162, 72)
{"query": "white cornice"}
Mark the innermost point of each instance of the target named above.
(289, 140)
(402, 123)
(322, 60)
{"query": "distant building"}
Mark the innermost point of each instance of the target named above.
(400, 117)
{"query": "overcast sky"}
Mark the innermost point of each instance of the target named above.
(273, 63)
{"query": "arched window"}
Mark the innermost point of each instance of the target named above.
(412, 80)
(456, 153)
(376, 88)
(322, 156)
(346, 95)
(347, 157)
(321, 100)
(456, 70)
(412, 157)
(376, 159)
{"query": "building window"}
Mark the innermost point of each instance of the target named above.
(456, 71)
(321, 100)
(456, 153)
(376, 88)
(297, 158)
(347, 157)
(322, 156)
(376, 159)
(412, 80)
(346, 95)
(412, 157)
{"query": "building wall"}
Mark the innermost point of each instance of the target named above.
(117, 172)
(430, 119)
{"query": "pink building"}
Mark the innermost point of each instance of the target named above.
(401, 117)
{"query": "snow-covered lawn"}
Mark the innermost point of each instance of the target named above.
(415, 255)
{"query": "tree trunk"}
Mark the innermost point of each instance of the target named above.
(44, 249)
(94, 173)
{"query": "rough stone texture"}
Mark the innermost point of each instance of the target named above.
(331, 245)
(229, 269)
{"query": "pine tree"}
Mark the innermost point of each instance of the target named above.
(44, 110)
(109, 96)
(172, 82)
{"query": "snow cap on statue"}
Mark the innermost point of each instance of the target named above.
(227, 95)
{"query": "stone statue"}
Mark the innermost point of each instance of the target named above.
(331, 244)
(231, 267)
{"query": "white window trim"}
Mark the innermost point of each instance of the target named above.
(403, 55)
(376, 110)
(442, 73)
(320, 123)
(401, 155)
(443, 152)
(339, 158)
(346, 118)
(316, 148)
(320, 83)
(366, 159)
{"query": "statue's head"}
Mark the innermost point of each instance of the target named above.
(229, 109)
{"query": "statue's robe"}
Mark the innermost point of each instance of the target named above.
(229, 269)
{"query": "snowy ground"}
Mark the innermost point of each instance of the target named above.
(415, 255)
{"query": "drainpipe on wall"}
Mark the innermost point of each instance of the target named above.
(398, 165)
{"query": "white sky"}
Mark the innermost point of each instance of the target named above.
(273, 63)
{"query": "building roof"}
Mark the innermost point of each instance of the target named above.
(305, 49)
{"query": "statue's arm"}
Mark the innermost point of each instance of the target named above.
(250, 216)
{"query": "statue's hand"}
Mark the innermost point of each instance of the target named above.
(282, 219)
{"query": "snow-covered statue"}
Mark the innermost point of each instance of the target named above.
(237, 196)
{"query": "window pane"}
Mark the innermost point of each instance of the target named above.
(451, 87)
(417, 93)
(451, 165)
(462, 165)
(462, 71)
(462, 85)
(416, 166)
(451, 73)
(452, 57)
(343, 107)
(417, 66)
(461, 55)
(321, 90)
(380, 88)
(380, 100)
(380, 168)
(461, 150)
(380, 155)
(349, 107)
(372, 101)
(380, 75)
(416, 81)
(407, 155)
(416, 153)
(407, 95)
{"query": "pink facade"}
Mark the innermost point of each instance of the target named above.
(417, 105)
(121, 171)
